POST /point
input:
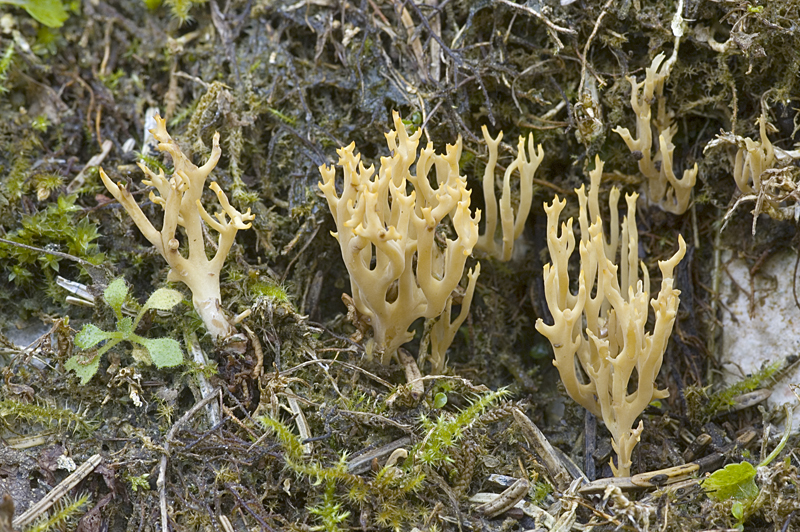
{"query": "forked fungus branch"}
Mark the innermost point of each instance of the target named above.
(603, 337)
(180, 197)
(511, 225)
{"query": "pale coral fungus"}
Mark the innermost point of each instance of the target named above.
(599, 340)
(180, 197)
(399, 270)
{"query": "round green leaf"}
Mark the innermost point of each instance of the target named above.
(164, 352)
(440, 400)
(734, 481)
(163, 299)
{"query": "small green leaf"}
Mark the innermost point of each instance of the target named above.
(734, 481)
(90, 336)
(165, 352)
(51, 13)
(163, 299)
(125, 326)
(440, 400)
(115, 294)
(737, 510)
(84, 371)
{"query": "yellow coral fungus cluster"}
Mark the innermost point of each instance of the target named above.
(663, 187)
(603, 336)
(764, 174)
(401, 268)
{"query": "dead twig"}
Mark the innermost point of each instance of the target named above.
(59, 491)
(161, 484)
(530, 11)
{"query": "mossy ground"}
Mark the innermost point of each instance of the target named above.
(286, 83)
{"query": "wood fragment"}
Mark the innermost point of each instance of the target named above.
(59, 491)
(361, 464)
(543, 448)
(696, 447)
(300, 419)
(506, 500)
(413, 374)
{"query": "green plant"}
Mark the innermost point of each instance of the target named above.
(736, 482)
(5, 63)
(179, 8)
(163, 352)
(389, 491)
(51, 13)
(43, 414)
(54, 226)
(447, 430)
(62, 517)
(329, 511)
(703, 406)
(139, 482)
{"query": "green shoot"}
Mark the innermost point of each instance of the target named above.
(163, 352)
(5, 63)
(737, 481)
(447, 430)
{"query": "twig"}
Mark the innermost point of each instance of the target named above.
(59, 491)
(162, 469)
(361, 464)
(258, 351)
(243, 505)
(95, 272)
(79, 179)
(530, 11)
(199, 357)
(334, 361)
(586, 47)
(543, 448)
(300, 419)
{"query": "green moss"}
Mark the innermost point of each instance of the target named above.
(447, 430)
(703, 406)
(55, 226)
(43, 414)
(63, 516)
(390, 492)
(180, 9)
(269, 290)
(6, 60)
